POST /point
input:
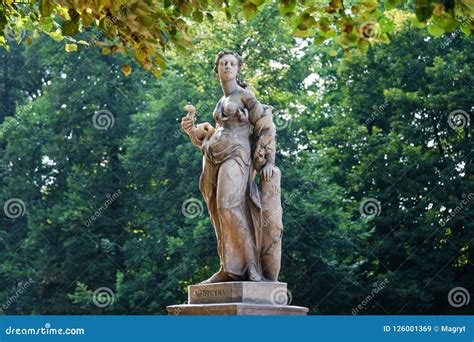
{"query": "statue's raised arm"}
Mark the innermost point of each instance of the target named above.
(198, 134)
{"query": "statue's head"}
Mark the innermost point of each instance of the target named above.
(227, 66)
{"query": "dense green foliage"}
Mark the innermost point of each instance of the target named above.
(377, 125)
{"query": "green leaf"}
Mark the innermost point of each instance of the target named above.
(390, 4)
(445, 21)
(423, 9)
(435, 30)
(228, 14)
(249, 10)
(70, 27)
(319, 40)
(386, 25)
(384, 39)
(46, 23)
(197, 16)
(415, 22)
(286, 6)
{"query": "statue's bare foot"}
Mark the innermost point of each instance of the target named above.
(218, 277)
(254, 275)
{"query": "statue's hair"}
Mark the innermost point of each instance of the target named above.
(240, 62)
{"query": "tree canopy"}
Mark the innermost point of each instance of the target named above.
(146, 29)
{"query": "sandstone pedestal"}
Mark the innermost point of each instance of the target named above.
(237, 298)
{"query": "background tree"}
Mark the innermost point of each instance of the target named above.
(61, 160)
(400, 136)
(105, 174)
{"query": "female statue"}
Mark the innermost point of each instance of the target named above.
(247, 217)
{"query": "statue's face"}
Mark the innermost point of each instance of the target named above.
(228, 67)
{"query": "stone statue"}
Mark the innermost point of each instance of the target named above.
(239, 181)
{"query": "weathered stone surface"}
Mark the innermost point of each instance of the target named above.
(245, 210)
(236, 309)
(237, 298)
(274, 293)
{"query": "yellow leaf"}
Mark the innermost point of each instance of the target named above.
(332, 53)
(126, 69)
(105, 51)
(57, 36)
(156, 72)
(87, 19)
(46, 7)
(103, 3)
(370, 5)
(71, 47)
(438, 9)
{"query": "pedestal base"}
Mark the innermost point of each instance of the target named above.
(273, 293)
(236, 309)
(237, 298)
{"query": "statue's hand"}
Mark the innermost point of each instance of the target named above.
(187, 123)
(267, 172)
(204, 131)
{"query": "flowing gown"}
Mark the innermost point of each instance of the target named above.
(230, 193)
